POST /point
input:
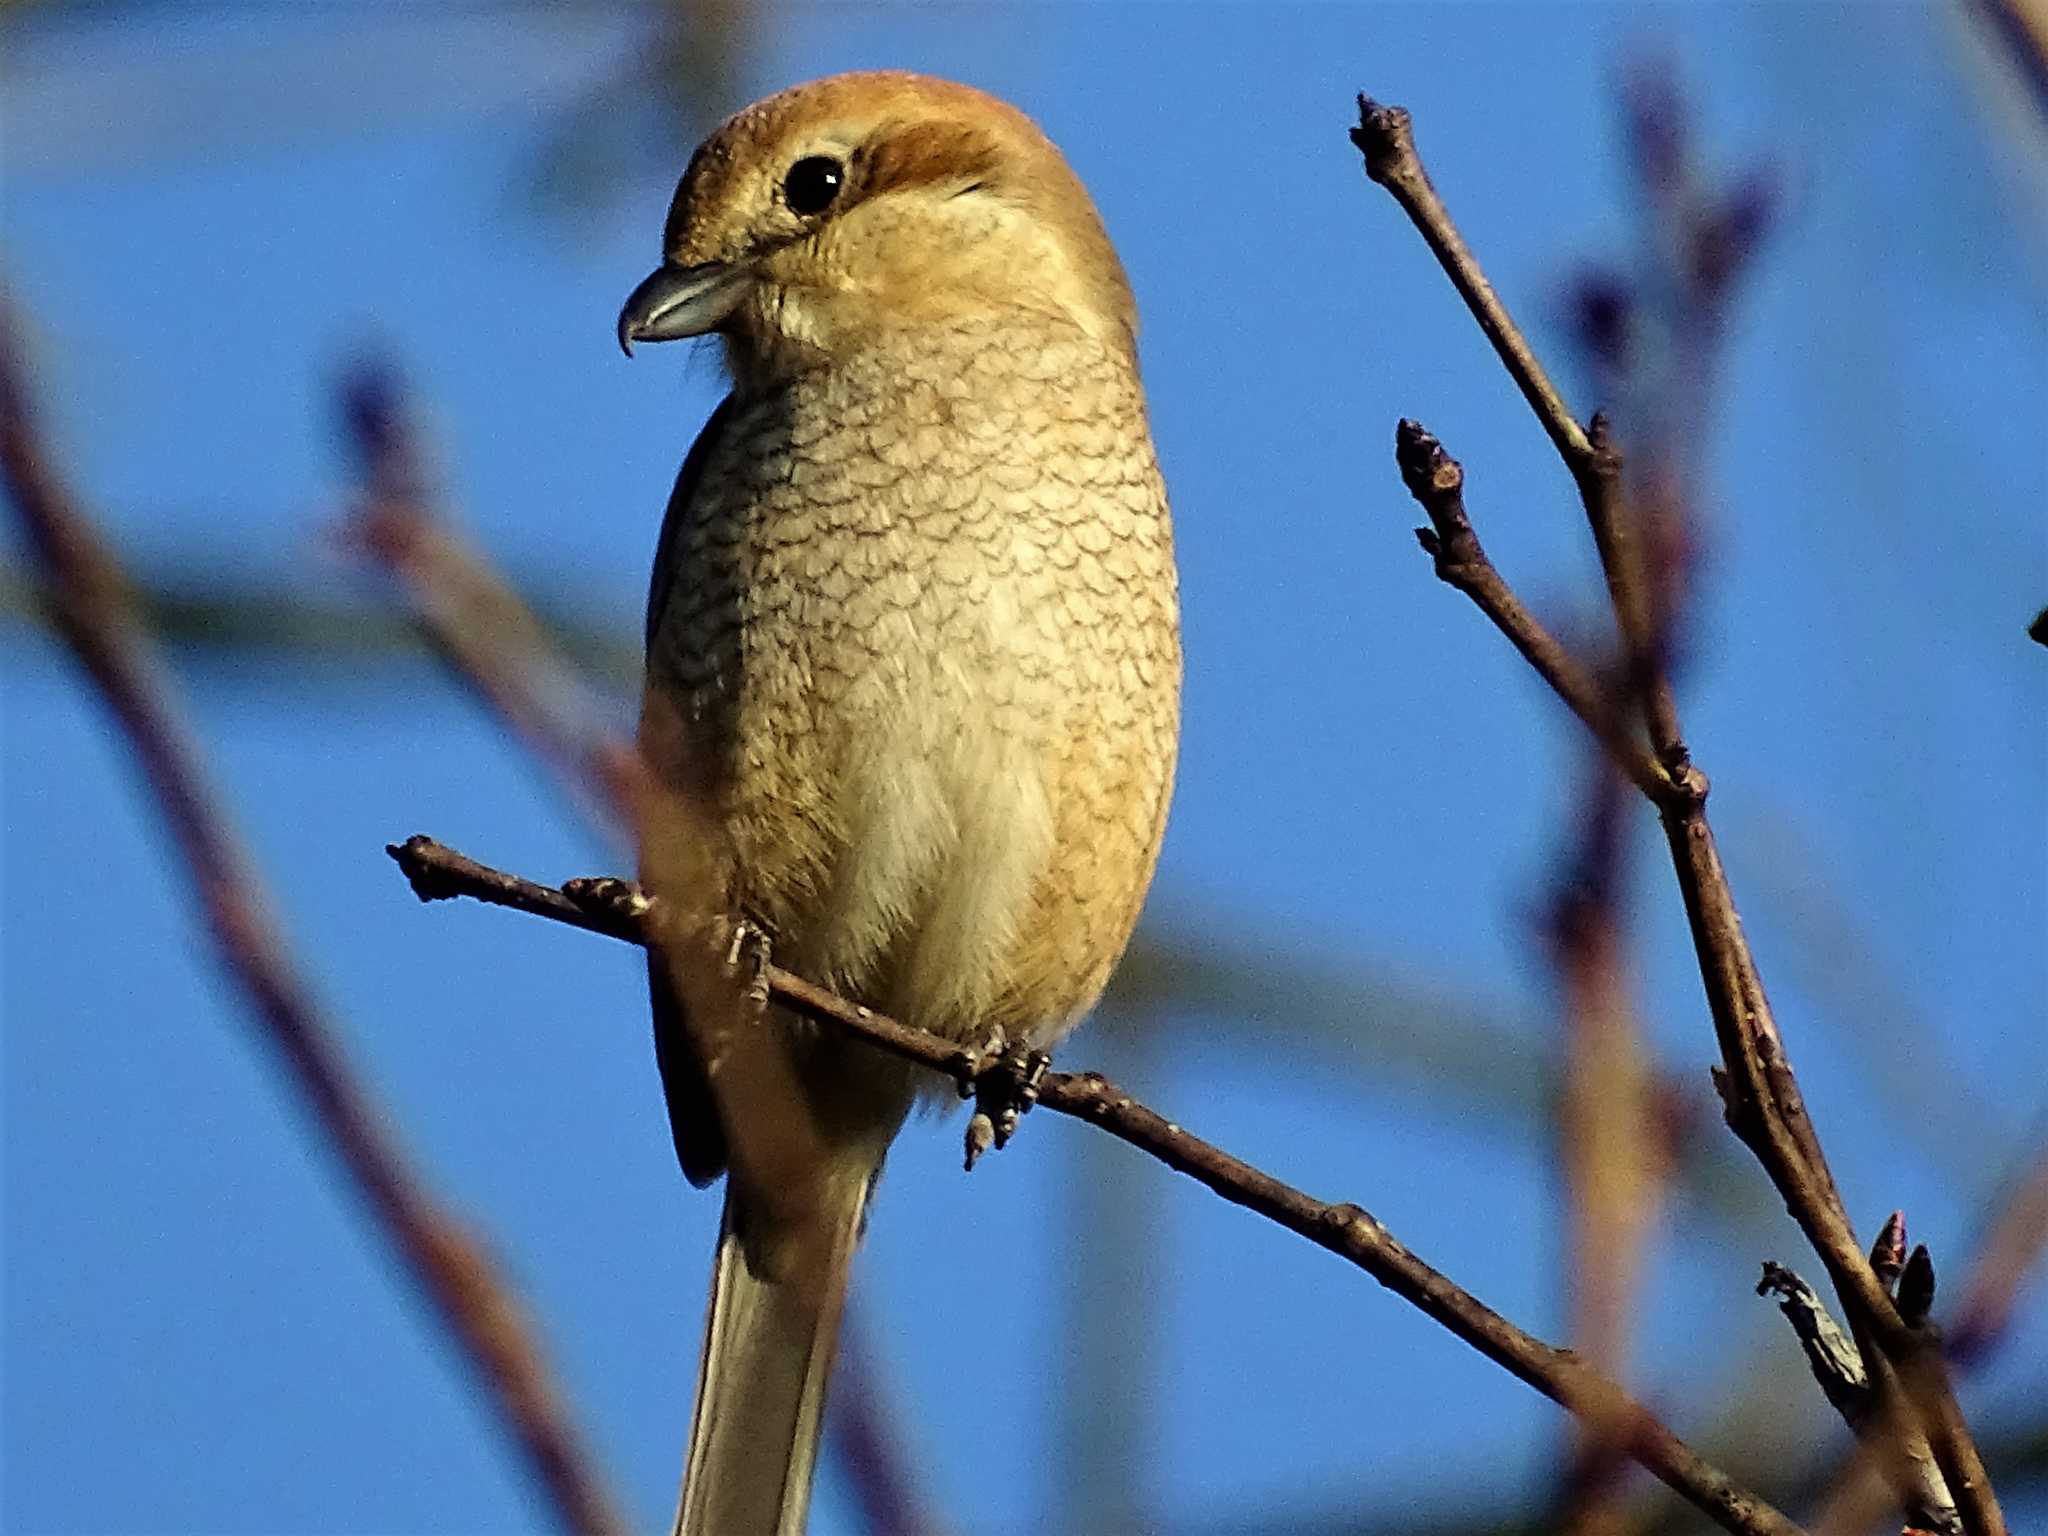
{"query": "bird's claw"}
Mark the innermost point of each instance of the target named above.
(1003, 1081)
(748, 953)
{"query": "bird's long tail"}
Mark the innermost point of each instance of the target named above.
(770, 1336)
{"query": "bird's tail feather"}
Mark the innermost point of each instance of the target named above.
(769, 1344)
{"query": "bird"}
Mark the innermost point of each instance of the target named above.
(913, 678)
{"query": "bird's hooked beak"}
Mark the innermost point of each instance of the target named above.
(675, 302)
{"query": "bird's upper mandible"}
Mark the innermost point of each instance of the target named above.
(836, 209)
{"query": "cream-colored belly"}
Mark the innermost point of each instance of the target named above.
(932, 681)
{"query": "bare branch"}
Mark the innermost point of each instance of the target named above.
(1763, 1102)
(616, 909)
(92, 610)
(1634, 596)
(1385, 136)
(1437, 482)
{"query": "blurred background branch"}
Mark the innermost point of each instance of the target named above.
(88, 601)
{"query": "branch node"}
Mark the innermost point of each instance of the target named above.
(1687, 786)
(430, 879)
(1437, 482)
(1603, 458)
(1385, 137)
(1351, 1219)
(1838, 1365)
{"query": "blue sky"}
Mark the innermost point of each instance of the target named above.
(206, 213)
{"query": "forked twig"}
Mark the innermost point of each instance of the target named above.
(1763, 1103)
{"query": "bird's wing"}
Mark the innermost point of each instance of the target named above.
(669, 547)
(692, 1113)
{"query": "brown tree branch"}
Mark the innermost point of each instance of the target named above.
(1437, 482)
(1385, 136)
(618, 911)
(91, 608)
(1764, 1105)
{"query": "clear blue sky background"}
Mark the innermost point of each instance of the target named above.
(206, 212)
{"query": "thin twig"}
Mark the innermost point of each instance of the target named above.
(1385, 136)
(1764, 1105)
(91, 608)
(437, 872)
(1437, 482)
(1838, 1363)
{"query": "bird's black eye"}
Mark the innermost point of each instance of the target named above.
(812, 183)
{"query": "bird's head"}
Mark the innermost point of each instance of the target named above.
(814, 222)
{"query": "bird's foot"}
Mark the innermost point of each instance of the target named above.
(604, 896)
(748, 953)
(1003, 1080)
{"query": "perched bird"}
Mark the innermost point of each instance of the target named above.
(913, 675)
